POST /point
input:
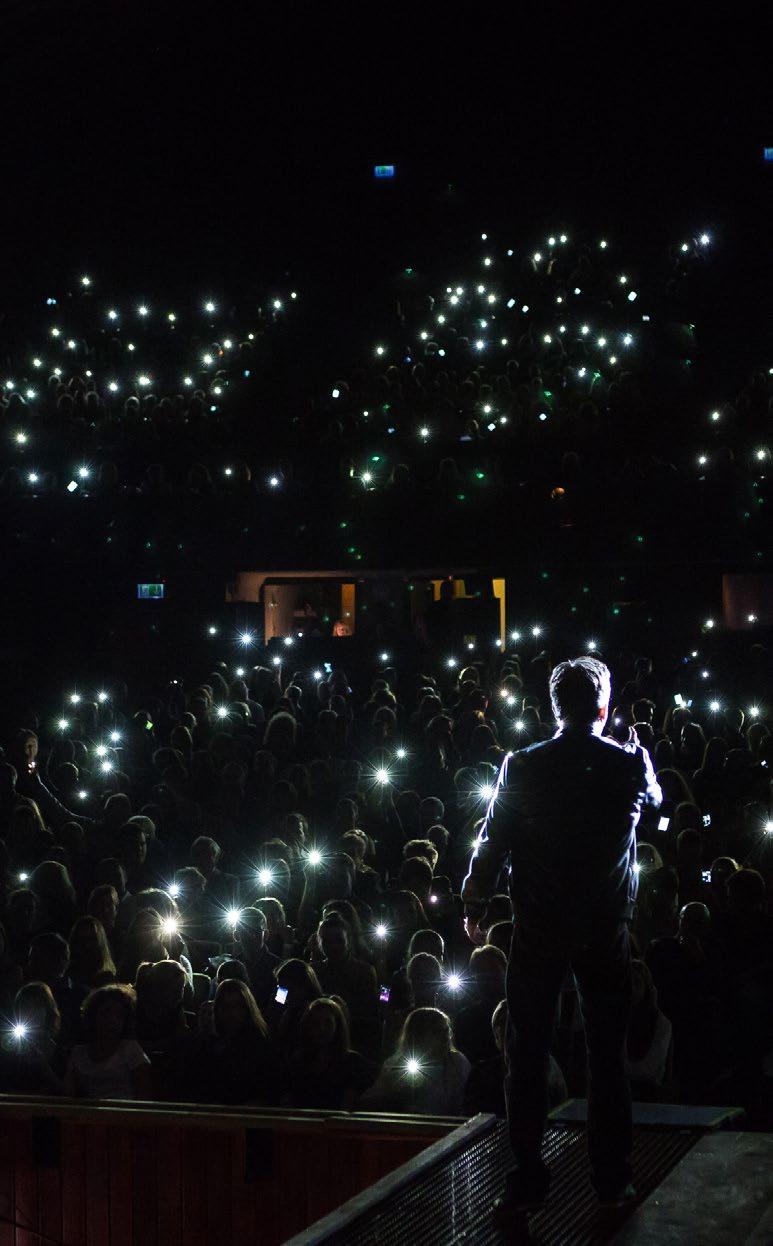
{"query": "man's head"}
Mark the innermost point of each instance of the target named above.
(579, 693)
(191, 883)
(354, 844)
(427, 941)
(250, 933)
(118, 810)
(432, 810)
(487, 969)
(695, 919)
(132, 846)
(333, 936)
(103, 904)
(204, 854)
(25, 748)
(439, 836)
(423, 848)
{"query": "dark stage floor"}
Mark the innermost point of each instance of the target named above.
(696, 1184)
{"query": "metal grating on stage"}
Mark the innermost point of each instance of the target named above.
(451, 1200)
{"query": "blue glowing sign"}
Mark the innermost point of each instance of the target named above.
(383, 170)
(767, 154)
(150, 592)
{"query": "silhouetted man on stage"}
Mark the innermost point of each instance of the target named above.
(565, 812)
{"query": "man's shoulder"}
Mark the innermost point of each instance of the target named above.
(632, 756)
(609, 742)
(522, 756)
(523, 759)
(519, 763)
(540, 746)
(544, 752)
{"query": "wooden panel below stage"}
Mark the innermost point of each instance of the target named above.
(143, 1175)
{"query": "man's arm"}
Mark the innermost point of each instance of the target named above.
(491, 847)
(653, 795)
(50, 806)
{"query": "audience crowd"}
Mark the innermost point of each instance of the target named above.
(243, 887)
(546, 390)
(244, 890)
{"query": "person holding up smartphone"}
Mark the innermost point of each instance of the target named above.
(24, 756)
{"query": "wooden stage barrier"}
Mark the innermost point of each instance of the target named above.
(114, 1173)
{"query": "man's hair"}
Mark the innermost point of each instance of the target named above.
(334, 920)
(423, 848)
(253, 919)
(203, 842)
(426, 941)
(424, 961)
(486, 960)
(578, 689)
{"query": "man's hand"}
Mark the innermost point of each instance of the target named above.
(473, 931)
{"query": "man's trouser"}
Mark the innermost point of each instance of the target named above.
(538, 963)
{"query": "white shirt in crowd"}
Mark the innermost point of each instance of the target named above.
(107, 1079)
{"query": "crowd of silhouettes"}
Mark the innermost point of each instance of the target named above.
(535, 393)
(244, 890)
